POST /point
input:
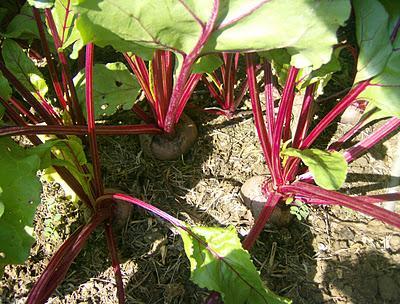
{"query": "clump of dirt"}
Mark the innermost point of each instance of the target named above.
(334, 256)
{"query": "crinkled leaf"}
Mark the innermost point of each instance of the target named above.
(20, 197)
(242, 25)
(329, 169)
(5, 89)
(65, 20)
(207, 64)
(41, 3)
(23, 68)
(23, 25)
(219, 263)
(113, 87)
(373, 37)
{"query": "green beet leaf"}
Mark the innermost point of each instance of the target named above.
(385, 89)
(23, 25)
(68, 153)
(207, 64)
(329, 169)
(393, 7)
(71, 155)
(379, 57)
(65, 21)
(20, 196)
(280, 60)
(373, 37)
(23, 68)
(41, 3)
(5, 89)
(113, 87)
(20, 189)
(308, 37)
(219, 263)
(242, 25)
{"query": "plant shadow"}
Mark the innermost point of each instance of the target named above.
(366, 278)
(284, 255)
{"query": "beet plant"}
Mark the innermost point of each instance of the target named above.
(156, 79)
(168, 45)
(224, 87)
(376, 81)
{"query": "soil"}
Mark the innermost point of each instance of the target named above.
(333, 256)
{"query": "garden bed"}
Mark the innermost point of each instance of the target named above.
(334, 256)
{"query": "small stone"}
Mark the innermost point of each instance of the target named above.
(322, 247)
(394, 243)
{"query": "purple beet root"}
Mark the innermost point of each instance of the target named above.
(170, 147)
(252, 196)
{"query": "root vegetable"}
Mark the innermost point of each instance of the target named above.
(122, 210)
(167, 147)
(252, 196)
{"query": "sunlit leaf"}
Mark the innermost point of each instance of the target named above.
(41, 3)
(373, 37)
(68, 153)
(379, 57)
(242, 25)
(65, 21)
(280, 60)
(20, 196)
(384, 91)
(219, 263)
(329, 169)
